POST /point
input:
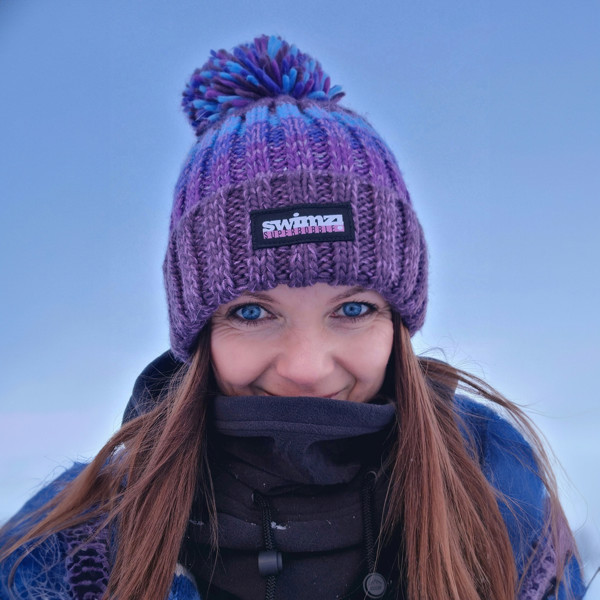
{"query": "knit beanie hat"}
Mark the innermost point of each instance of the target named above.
(284, 186)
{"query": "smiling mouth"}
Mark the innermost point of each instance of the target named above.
(329, 396)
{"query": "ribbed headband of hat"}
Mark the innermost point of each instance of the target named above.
(284, 186)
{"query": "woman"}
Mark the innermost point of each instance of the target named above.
(291, 445)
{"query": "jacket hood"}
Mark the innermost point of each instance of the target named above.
(150, 385)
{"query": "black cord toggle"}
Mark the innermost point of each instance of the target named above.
(270, 562)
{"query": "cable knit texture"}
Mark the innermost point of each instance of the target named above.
(264, 144)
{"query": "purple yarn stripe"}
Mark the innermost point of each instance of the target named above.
(221, 157)
(238, 172)
(257, 191)
(295, 133)
(338, 148)
(321, 135)
(174, 288)
(540, 574)
(363, 135)
(87, 562)
(392, 170)
(383, 241)
(256, 134)
(201, 177)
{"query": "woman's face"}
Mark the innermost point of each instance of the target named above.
(326, 341)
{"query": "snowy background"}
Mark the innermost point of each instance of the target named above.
(490, 107)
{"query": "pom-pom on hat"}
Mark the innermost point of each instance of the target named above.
(284, 186)
(267, 68)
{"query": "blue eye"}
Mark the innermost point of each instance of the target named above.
(355, 309)
(249, 312)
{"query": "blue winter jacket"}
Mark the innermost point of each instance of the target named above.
(69, 566)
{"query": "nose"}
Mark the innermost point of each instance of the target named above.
(305, 362)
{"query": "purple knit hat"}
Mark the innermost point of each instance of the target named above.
(284, 186)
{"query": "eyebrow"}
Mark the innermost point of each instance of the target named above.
(357, 289)
(257, 295)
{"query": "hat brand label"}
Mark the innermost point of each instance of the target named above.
(301, 223)
(298, 225)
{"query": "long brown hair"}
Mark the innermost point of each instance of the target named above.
(455, 542)
(143, 481)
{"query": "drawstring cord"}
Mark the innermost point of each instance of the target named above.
(367, 510)
(374, 583)
(270, 561)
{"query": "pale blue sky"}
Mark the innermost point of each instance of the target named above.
(490, 107)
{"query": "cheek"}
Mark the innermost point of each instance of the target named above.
(371, 353)
(236, 361)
